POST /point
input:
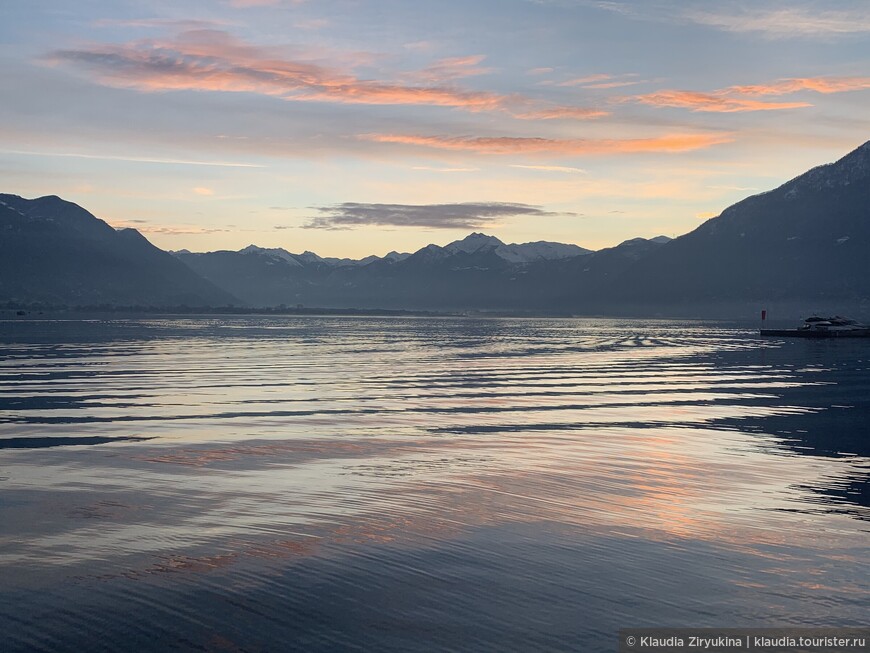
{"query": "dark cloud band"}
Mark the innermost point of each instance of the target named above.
(469, 215)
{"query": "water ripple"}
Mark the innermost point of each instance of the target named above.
(423, 484)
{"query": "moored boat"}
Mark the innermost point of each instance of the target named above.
(824, 327)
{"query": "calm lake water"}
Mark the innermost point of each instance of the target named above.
(384, 484)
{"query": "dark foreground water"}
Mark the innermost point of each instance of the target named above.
(337, 484)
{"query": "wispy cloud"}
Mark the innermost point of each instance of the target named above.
(823, 85)
(163, 23)
(557, 113)
(598, 81)
(451, 68)
(431, 169)
(244, 4)
(136, 159)
(712, 102)
(565, 169)
(519, 145)
(742, 98)
(470, 215)
(795, 19)
(210, 60)
(581, 81)
(609, 85)
(311, 23)
(145, 227)
(785, 22)
(213, 60)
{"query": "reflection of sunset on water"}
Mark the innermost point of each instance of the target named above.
(278, 451)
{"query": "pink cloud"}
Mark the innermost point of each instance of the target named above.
(515, 145)
(213, 60)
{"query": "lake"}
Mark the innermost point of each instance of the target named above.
(424, 484)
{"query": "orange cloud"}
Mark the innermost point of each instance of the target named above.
(213, 60)
(553, 113)
(588, 79)
(601, 81)
(606, 85)
(817, 84)
(712, 102)
(515, 145)
(740, 98)
(452, 68)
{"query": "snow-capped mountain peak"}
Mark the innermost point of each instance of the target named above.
(514, 253)
(537, 251)
(473, 243)
(850, 169)
(308, 256)
(274, 252)
(396, 256)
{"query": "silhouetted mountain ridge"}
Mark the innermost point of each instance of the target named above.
(806, 240)
(56, 252)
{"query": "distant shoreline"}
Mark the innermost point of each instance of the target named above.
(48, 314)
(785, 314)
(204, 311)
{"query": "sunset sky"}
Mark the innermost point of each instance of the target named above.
(352, 127)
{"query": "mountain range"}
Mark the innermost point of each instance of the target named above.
(804, 244)
(431, 277)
